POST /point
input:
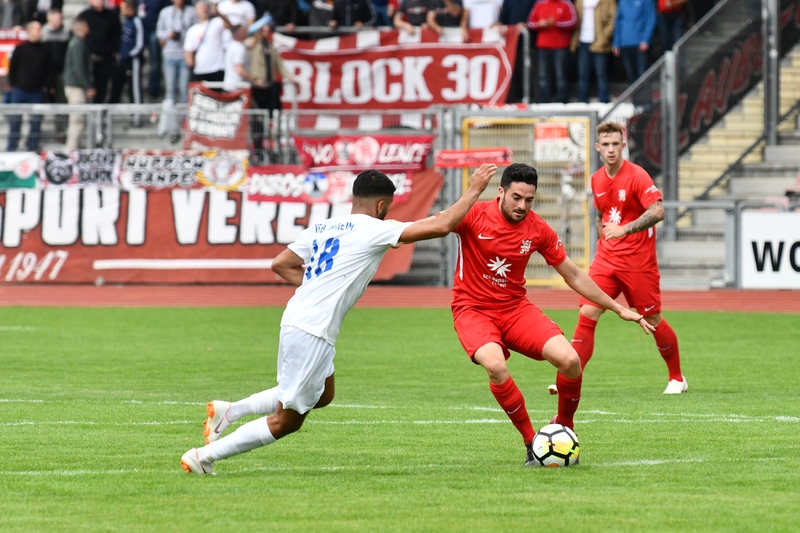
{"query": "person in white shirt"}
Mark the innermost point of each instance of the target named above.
(331, 262)
(238, 12)
(173, 23)
(203, 46)
(483, 13)
(237, 75)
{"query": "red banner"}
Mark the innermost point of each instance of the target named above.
(473, 158)
(363, 152)
(9, 39)
(109, 235)
(395, 70)
(215, 120)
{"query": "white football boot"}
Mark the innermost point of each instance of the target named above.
(193, 465)
(676, 387)
(216, 422)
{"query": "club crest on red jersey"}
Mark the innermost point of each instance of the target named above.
(525, 247)
(622, 195)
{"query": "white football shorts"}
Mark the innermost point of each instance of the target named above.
(304, 363)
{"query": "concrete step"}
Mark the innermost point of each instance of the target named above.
(706, 254)
(762, 187)
(783, 153)
(779, 171)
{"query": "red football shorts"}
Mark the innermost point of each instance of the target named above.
(524, 329)
(642, 289)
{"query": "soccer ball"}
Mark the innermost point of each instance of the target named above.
(556, 445)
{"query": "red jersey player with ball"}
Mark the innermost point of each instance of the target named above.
(491, 311)
(628, 207)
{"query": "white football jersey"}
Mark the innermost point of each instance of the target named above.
(341, 255)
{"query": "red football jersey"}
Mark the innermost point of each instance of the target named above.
(623, 199)
(493, 254)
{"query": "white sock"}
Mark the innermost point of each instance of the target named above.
(250, 436)
(260, 403)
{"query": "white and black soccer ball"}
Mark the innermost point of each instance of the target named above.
(556, 445)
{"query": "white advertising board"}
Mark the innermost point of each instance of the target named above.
(769, 250)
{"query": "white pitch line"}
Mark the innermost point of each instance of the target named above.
(14, 400)
(651, 462)
(92, 423)
(17, 328)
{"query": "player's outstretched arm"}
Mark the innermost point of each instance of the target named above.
(289, 266)
(447, 220)
(580, 282)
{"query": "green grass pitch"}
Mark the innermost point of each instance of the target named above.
(99, 404)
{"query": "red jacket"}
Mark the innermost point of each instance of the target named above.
(558, 35)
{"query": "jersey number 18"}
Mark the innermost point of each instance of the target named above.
(324, 262)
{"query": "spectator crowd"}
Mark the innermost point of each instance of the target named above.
(229, 43)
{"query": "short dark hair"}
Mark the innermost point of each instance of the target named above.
(373, 184)
(519, 172)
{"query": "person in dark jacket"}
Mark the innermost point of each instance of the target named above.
(56, 36)
(103, 43)
(37, 9)
(355, 13)
(516, 13)
(149, 11)
(283, 12)
(12, 14)
(77, 80)
(129, 65)
(28, 73)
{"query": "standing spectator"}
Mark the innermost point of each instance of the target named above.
(129, 66)
(284, 13)
(352, 13)
(77, 80)
(37, 9)
(149, 11)
(203, 48)
(633, 33)
(57, 38)
(13, 15)
(267, 71)
(483, 13)
(670, 18)
(592, 42)
(304, 7)
(448, 14)
(28, 74)
(554, 20)
(103, 42)
(412, 14)
(173, 23)
(517, 12)
(236, 62)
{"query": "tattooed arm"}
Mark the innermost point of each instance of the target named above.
(652, 216)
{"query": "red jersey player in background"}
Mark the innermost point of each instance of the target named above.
(491, 311)
(628, 206)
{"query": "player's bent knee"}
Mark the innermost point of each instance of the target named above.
(592, 312)
(571, 366)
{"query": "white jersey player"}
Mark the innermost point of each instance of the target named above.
(331, 262)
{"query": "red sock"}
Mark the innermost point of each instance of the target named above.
(583, 339)
(569, 396)
(510, 399)
(667, 343)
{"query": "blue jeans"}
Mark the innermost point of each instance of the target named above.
(18, 96)
(587, 61)
(553, 63)
(381, 15)
(634, 61)
(154, 56)
(670, 29)
(176, 79)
